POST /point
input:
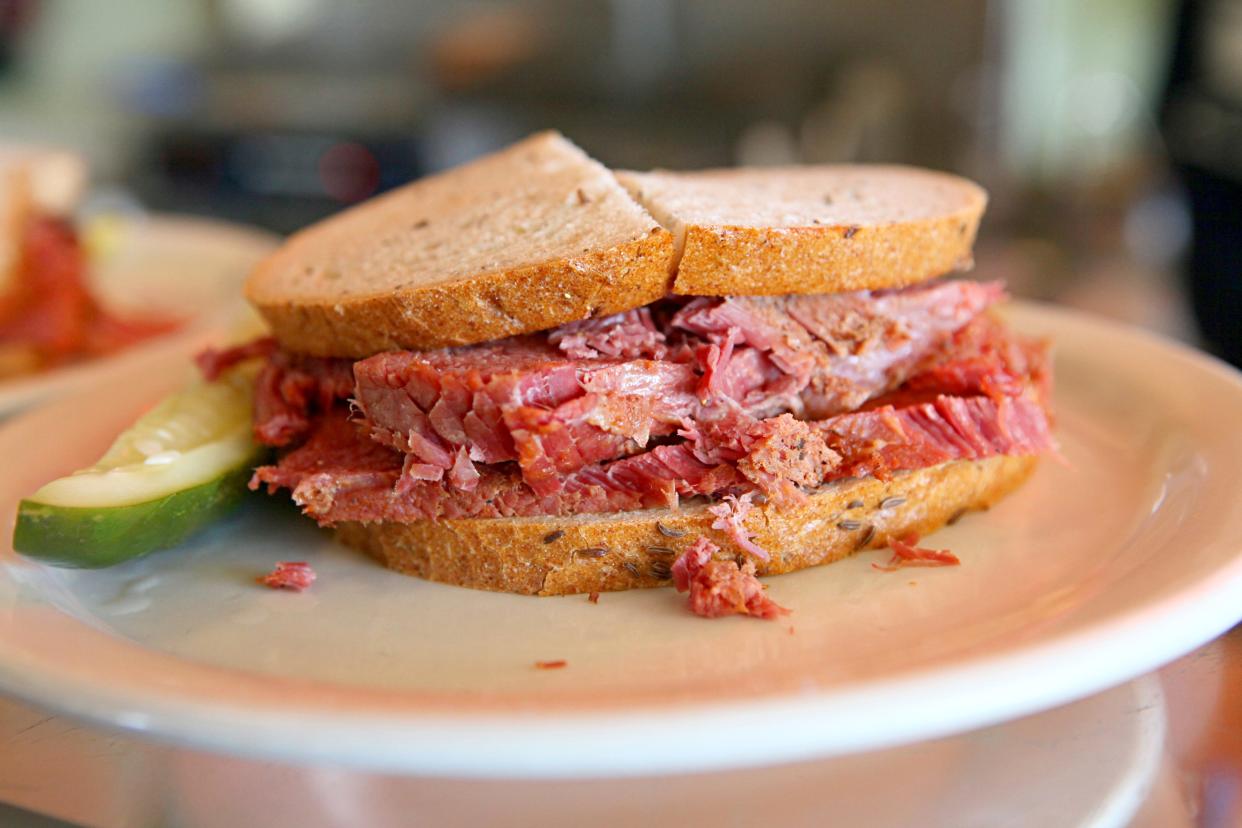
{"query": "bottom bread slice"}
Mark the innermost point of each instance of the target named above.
(626, 550)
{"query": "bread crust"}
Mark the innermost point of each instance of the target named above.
(608, 552)
(816, 229)
(773, 261)
(489, 306)
(538, 235)
(527, 238)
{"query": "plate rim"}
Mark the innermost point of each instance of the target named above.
(730, 734)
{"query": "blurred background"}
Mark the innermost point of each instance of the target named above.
(1108, 132)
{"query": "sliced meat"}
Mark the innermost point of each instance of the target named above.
(881, 440)
(630, 334)
(339, 474)
(833, 352)
(587, 392)
(520, 400)
(984, 358)
(290, 389)
(519, 427)
(214, 362)
(720, 588)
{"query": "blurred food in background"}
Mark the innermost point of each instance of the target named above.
(278, 112)
(48, 314)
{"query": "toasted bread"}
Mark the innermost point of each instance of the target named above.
(624, 550)
(528, 238)
(539, 234)
(772, 231)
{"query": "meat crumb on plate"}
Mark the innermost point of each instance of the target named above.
(551, 665)
(906, 552)
(719, 588)
(296, 576)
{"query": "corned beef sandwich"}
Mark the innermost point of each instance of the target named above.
(532, 375)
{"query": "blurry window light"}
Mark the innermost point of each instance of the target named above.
(270, 21)
(1103, 103)
(1078, 82)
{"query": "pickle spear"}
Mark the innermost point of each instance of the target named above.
(181, 466)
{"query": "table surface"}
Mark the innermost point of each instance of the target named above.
(53, 768)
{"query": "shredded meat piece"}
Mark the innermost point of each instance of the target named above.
(291, 389)
(629, 334)
(690, 562)
(719, 588)
(296, 576)
(780, 455)
(831, 352)
(213, 362)
(551, 665)
(906, 552)
(731, 519)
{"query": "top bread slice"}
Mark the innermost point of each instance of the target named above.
(525, 239)
(539, 234)
(824, 229)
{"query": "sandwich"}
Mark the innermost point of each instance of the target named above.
(531, 374)
(48, 315)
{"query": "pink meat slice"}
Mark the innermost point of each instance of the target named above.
(631, 334)
(598, 390)
(341, 475)
(291, 389)
(831, 353)
(520, 401)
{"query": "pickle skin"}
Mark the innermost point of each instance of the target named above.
(87, 538)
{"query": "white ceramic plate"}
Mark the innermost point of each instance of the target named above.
(1087, 764)
(188, 268)
(1096, 571)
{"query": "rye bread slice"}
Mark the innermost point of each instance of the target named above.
(525, 239)
(822, 229)
(625, 550)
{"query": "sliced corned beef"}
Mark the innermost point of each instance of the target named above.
(582, 420)
(585, 394)
(290, 389)
(213, 362)
(523, 401)
(838, 349)
(631, 335)
(881, 440)
(340, 475)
